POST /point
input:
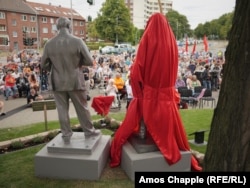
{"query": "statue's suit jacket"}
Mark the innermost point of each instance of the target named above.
(63, 57)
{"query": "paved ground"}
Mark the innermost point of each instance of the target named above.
(18, 114)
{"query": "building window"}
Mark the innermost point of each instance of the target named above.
(13, 22)
(26, 29)
(45, 30)
(75, 23)
(2, 27)
(44, 19)
(2, 15)
(52, 20)
(81, 23)
(32, 18)
(4, 41)
(24, 18)
(81, 32)
(14, 34)
(33, 29)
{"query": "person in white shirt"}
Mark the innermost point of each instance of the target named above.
(111, 90)
(129, 92)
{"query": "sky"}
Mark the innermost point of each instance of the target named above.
(196, 11)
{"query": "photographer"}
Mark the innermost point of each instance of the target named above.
(22, 85)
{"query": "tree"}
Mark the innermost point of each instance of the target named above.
(113, 22)
(228, 146)
(217, 28)
(179, 24)
(92, 33)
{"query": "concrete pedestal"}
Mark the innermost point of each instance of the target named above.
(133, 161)
(83, 158)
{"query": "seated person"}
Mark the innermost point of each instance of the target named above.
(33, 81)
(111, 90)
(33, 96)
(179, 82)
(10, 85)
(120, 84)
(22, 85)
(194, 83)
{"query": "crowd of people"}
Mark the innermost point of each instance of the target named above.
(23, 73)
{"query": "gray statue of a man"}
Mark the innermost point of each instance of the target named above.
(63, 56)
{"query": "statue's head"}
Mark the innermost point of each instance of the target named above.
(63, 22)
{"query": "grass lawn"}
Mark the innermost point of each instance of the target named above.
(17, 168)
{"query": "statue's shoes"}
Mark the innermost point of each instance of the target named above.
(93, 133)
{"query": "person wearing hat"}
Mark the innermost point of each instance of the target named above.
(10, 85)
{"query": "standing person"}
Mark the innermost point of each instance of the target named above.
(129, 91)
(87, 80)
(63, 56)
(206, 78)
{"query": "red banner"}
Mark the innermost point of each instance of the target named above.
(205, 43)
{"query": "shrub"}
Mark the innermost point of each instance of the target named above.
(38, 140)
(17, 144)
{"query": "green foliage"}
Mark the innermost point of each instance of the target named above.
(113, 21)
(52, 134)
(38, 140)
(179, 24)
(17, 144)
(215, 29)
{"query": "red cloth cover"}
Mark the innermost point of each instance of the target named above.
(102, 104)
(155, 98)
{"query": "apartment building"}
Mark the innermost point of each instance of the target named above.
(25, 24)
(141, 10)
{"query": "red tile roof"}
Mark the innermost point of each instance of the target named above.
(54, 11)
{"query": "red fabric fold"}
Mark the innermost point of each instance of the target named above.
(102, 104)
(153, 77)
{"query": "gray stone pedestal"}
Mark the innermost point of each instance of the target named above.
(132, 162)
(83, 158)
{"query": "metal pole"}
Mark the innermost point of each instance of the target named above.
(37, 34)
(116, 41)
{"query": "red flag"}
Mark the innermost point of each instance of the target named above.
(205, 43)
(194, 47)
(186, 45)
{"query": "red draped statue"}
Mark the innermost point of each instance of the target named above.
(153, 77)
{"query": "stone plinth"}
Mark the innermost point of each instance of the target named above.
(132, 162)
(73, 161)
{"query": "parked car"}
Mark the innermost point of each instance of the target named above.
(107, 50)
(121, 48)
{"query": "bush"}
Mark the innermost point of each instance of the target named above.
(17, 144)
(52, 135)
(38, 140)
